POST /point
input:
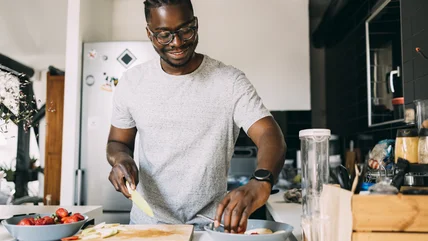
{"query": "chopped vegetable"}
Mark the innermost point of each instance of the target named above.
(70, 238)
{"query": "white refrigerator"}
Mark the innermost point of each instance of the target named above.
(103, 66)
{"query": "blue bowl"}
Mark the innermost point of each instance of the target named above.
(41, 232)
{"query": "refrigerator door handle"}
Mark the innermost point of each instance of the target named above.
(79, 181)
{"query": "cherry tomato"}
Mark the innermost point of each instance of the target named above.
(79, 216)
(39, 221)
(71, 219)
(61, 212)
(48, 220)
(25, 222)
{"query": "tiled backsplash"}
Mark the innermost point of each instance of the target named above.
(346, 76)
(290, 122)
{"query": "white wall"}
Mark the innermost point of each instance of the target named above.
(33, 32)
(269, 41)
(87, 20)
(129, 22)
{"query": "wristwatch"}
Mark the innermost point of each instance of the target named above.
(264, 176)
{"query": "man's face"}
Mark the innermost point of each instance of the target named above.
(179, 51)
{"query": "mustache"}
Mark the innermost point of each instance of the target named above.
(184, 46)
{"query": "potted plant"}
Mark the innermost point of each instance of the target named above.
(35, 168)
(9, 171)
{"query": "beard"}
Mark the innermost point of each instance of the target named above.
(191, 46)
(176, 65)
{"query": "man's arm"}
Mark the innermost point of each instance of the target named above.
(120, 148)
(270, 143)
(120, 144)
(240, 203)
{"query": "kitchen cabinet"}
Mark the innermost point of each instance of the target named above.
(414, 26)
(384, 63)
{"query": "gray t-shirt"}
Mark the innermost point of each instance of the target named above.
(187, 128)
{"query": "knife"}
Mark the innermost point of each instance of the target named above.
(140, 201)
(209, 219)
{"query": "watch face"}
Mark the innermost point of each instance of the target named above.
(262, 174)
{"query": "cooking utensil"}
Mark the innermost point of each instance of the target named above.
(140, 201)
(363, 172)
(357, 176)
(41, 232)
(208, 218)
(219, 234)
(402, 168)
(343, 177)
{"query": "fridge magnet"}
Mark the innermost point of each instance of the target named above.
(126, 58)
(92, 54)
(115, 80)
(90, 80)
(107, 84)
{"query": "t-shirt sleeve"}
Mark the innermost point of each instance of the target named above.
(121, 116)
(248, 106)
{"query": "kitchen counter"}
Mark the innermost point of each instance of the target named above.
(279, 211)
(9, 210)
(289, 213)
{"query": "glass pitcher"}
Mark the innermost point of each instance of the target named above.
(314, 146)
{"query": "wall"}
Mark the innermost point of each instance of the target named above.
(129, 22)
(318, 86)
(230, 32)
(87, 20)
(33, 32)
(346, 70)
(415, 34)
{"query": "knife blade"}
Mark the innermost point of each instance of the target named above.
(139, 201)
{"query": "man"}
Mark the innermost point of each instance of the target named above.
(188, 109)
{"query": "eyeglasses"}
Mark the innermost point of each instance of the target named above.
(165, 37)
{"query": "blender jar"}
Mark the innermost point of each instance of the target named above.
(421, 113)
(314, 146)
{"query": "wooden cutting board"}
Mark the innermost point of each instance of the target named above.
(153, 233)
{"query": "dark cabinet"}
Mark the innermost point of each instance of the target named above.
(384, 64)
(414, 26)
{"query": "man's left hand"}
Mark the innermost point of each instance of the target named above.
(240, 203)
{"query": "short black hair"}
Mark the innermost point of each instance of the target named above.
(149, 4)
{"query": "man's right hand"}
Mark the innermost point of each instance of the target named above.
(124, 170)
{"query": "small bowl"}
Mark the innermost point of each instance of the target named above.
(219, 234)
(41, 232)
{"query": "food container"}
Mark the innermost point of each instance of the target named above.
(281, 231)
(42, 232)
(423, 146)
(421, 113)
(406, 145)
(398, 104)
